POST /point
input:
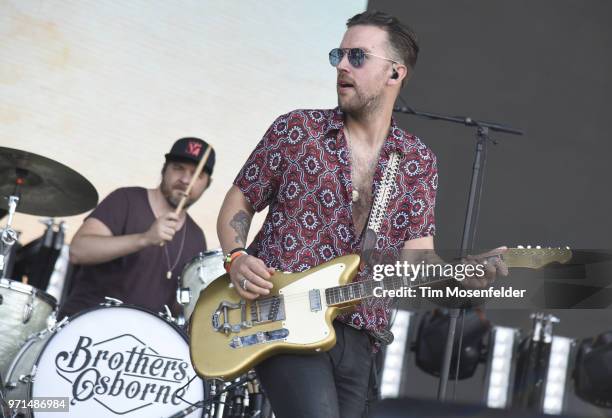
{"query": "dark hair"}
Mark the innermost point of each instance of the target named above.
(402, 38)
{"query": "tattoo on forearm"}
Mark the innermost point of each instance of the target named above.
(241, 223)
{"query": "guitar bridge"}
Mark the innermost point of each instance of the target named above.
(220, 319)
(259, 338)
(268, 310)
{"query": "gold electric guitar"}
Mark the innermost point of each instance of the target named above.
(229, 335)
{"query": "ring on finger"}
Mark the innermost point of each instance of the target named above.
(243, 284)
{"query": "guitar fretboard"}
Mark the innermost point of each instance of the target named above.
(513, 257)
(356, 291)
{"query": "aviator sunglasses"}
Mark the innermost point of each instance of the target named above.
(356, 56)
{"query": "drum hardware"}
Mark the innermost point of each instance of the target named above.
(28, 378)
(167, 315)
(8, 236)
(196, 276)
(230, 400)
(27, 309)
(183, 295)
(108, 301)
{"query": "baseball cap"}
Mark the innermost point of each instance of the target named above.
(192, 150)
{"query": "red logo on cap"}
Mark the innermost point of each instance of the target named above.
(194, 148)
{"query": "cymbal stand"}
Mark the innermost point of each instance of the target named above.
(8, 236)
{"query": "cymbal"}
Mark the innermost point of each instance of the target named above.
(48, 188)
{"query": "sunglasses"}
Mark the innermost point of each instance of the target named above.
(356, 56)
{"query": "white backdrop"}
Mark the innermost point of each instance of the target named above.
(105, 86)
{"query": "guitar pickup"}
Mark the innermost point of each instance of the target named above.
(259, 338)
(314, 296)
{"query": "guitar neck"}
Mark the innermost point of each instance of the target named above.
(352, 293)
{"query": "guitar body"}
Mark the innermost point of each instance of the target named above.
(228, 335)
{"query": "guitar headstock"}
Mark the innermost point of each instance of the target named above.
(536, 257)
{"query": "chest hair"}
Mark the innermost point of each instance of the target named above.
(363, 166)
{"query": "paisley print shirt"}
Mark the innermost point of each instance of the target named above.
(301, 171)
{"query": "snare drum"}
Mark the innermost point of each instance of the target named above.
(108, 361)
(201, 271)
(24, 310)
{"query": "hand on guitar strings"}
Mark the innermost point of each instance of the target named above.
(250, 277)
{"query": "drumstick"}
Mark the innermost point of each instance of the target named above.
(196, 174)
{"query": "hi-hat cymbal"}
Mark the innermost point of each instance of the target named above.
(47, 188)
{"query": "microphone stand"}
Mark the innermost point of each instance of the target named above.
(471, 216)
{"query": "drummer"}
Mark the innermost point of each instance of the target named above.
(132, 246)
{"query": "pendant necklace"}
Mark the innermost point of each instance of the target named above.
(178, 256)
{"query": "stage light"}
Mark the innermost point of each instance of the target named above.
(431, 340)
(561, 351)
(543, 362)
(593, 371)
(395, 355)
(500, 366)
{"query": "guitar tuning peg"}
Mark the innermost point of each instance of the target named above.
(529, 247)
(520, 247)
(538, 247)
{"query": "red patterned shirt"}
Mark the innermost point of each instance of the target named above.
(301, 170)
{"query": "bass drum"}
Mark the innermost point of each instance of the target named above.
(107, 361)
(24, 310)
(200, 272)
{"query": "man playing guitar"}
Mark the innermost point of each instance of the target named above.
(318, 171)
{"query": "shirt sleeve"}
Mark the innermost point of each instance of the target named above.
(423, 198)
(112, 211)
(260, 177)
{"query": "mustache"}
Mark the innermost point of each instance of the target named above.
(345, 80)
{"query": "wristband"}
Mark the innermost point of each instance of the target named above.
(231, 256)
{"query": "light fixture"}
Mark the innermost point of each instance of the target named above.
(561, 351)
(395, 355)
(500, 366)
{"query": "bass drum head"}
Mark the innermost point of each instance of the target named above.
(120, 360)
(200, 272)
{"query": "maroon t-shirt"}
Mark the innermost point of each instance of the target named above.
(138, 278)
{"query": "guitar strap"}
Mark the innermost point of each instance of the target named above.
(377, 214)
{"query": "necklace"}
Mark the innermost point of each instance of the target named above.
(178, 256)
(355, 193)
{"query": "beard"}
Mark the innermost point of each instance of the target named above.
(359, 104)
(172, 196)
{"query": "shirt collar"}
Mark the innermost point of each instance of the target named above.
(397, 140)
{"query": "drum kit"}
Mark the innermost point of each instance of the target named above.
(114, 359)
